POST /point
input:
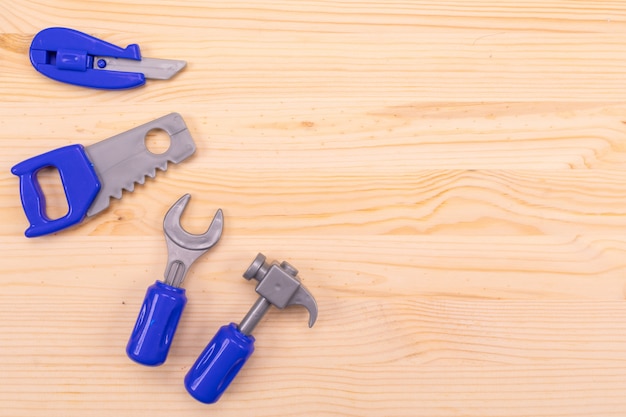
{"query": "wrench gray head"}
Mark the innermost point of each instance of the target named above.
(183, 248)
(279, 285)
(174, 231)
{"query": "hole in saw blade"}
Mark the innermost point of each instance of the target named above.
(158, 141)
(51, 186)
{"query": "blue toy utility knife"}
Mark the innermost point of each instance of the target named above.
(74, 57)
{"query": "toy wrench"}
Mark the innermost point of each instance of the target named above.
(92, 175)
(74, 57)
(165, 300)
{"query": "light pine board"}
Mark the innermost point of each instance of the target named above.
(449, 178)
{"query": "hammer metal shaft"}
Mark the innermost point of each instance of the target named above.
(254, 316)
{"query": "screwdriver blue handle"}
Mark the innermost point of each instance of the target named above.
(156, 324)
(219, 363)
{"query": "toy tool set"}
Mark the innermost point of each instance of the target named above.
(92, 174)
(164, 302)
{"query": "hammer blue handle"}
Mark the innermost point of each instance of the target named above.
(156, 324)
(219, 363)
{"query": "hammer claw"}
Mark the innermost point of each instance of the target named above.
(304, 298)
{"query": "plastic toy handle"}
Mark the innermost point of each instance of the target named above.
(156, 324)
(218, 364)
(80, 183)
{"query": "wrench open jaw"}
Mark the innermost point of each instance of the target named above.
(183, 248)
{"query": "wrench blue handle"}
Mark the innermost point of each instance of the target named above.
(156, 324)
(80, 183)
(218, 364)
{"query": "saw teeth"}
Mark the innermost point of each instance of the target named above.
(117, 194)
(130, 187)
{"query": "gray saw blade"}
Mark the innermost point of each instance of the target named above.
(123, 160)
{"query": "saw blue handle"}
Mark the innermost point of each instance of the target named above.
(67, 55)
(156, 324)
(219, 363)
(80, 183)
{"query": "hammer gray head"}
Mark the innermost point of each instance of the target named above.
(280, 286)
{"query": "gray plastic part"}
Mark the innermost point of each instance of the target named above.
(183, 248)
(123, 160)
(155, 68)
(278, 285)
(254, 316)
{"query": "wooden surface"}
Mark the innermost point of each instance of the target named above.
(448, 177)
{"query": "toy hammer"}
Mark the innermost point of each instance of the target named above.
(232, 345)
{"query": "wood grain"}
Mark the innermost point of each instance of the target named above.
(448, 178)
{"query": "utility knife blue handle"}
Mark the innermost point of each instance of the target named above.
(152, 336)
(67, 55)
(80, 183)
(219, 363)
